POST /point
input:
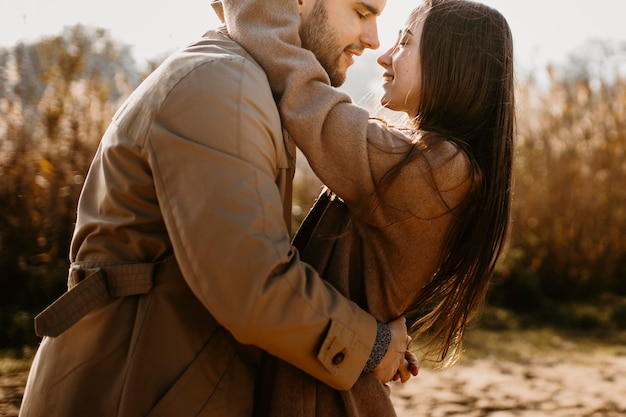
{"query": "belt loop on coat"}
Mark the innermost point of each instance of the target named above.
(92, 287)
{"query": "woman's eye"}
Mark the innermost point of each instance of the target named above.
(362, 15)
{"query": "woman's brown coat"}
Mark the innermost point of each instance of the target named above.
(379, 249)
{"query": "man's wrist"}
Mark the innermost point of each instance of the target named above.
(381, 344)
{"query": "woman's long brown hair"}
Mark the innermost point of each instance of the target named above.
(468, 98)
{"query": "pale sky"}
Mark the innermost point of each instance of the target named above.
(543, 30)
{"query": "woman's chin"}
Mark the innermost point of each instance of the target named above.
(387, 104)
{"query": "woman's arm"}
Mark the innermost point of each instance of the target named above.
(338, 138)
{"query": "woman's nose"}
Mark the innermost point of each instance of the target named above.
(384, 60)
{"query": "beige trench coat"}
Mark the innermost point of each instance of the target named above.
(182, 268)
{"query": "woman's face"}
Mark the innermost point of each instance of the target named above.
(402, 78)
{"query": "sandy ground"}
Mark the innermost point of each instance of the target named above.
(591, 386)
(585, 385)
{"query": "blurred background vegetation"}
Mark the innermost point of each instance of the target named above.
(565, 263)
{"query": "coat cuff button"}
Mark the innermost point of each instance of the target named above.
(338, 358)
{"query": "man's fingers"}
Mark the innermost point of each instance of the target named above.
(404, 371)
(409, 366)
(414, 362)
(392, 361)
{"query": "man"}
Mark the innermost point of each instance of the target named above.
(182, 270)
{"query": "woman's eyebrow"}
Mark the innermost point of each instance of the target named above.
(404, 30)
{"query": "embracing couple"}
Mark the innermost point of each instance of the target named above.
(186, 295)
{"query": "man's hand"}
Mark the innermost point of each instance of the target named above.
(394, 358)
(410, 366)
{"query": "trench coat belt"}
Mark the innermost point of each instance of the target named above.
(89, 288)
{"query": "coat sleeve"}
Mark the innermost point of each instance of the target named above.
(325, 125)
(350, 153)
(214, 151)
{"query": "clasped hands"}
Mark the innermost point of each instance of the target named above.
(398, 363)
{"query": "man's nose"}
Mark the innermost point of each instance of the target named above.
(369, 38)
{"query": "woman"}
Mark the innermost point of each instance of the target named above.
(422, 212)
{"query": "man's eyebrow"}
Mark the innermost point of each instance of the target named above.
(372, 9)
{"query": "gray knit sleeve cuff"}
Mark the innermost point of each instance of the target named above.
(381, 344)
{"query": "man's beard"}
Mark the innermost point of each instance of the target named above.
(318, 37)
